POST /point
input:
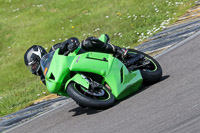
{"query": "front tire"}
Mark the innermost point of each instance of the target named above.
(79, 94)
(152, 73)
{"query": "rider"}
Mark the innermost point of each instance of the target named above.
(34, 54)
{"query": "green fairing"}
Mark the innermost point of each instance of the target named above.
(110, 69)
(58, 73)
(129, 83)
(59, 69)
(93, 62)
(58, 76)
(114, 73)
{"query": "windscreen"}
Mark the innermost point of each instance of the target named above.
(46, 61)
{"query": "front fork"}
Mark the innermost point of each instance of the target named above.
(84, 81)
(93, 84)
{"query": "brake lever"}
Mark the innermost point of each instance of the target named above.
(66, 53)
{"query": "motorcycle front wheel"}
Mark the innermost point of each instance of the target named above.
(101, 98)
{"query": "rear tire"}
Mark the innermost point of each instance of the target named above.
(77, 93)
(152, 74)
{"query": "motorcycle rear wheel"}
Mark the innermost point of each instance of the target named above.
(151, 73)
(78, 93)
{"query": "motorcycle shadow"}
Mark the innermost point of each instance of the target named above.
(89, 111)
(80, 111)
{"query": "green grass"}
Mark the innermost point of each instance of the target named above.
(44, 22)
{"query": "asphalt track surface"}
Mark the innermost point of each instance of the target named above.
(170, 106)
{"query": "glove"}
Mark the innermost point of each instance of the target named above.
(73, 44)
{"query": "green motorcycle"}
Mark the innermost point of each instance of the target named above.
(95, 79)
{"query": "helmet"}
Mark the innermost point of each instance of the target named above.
(32, 58)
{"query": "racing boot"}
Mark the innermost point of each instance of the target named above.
(128, 59)
(121, 53)
(95, 44)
